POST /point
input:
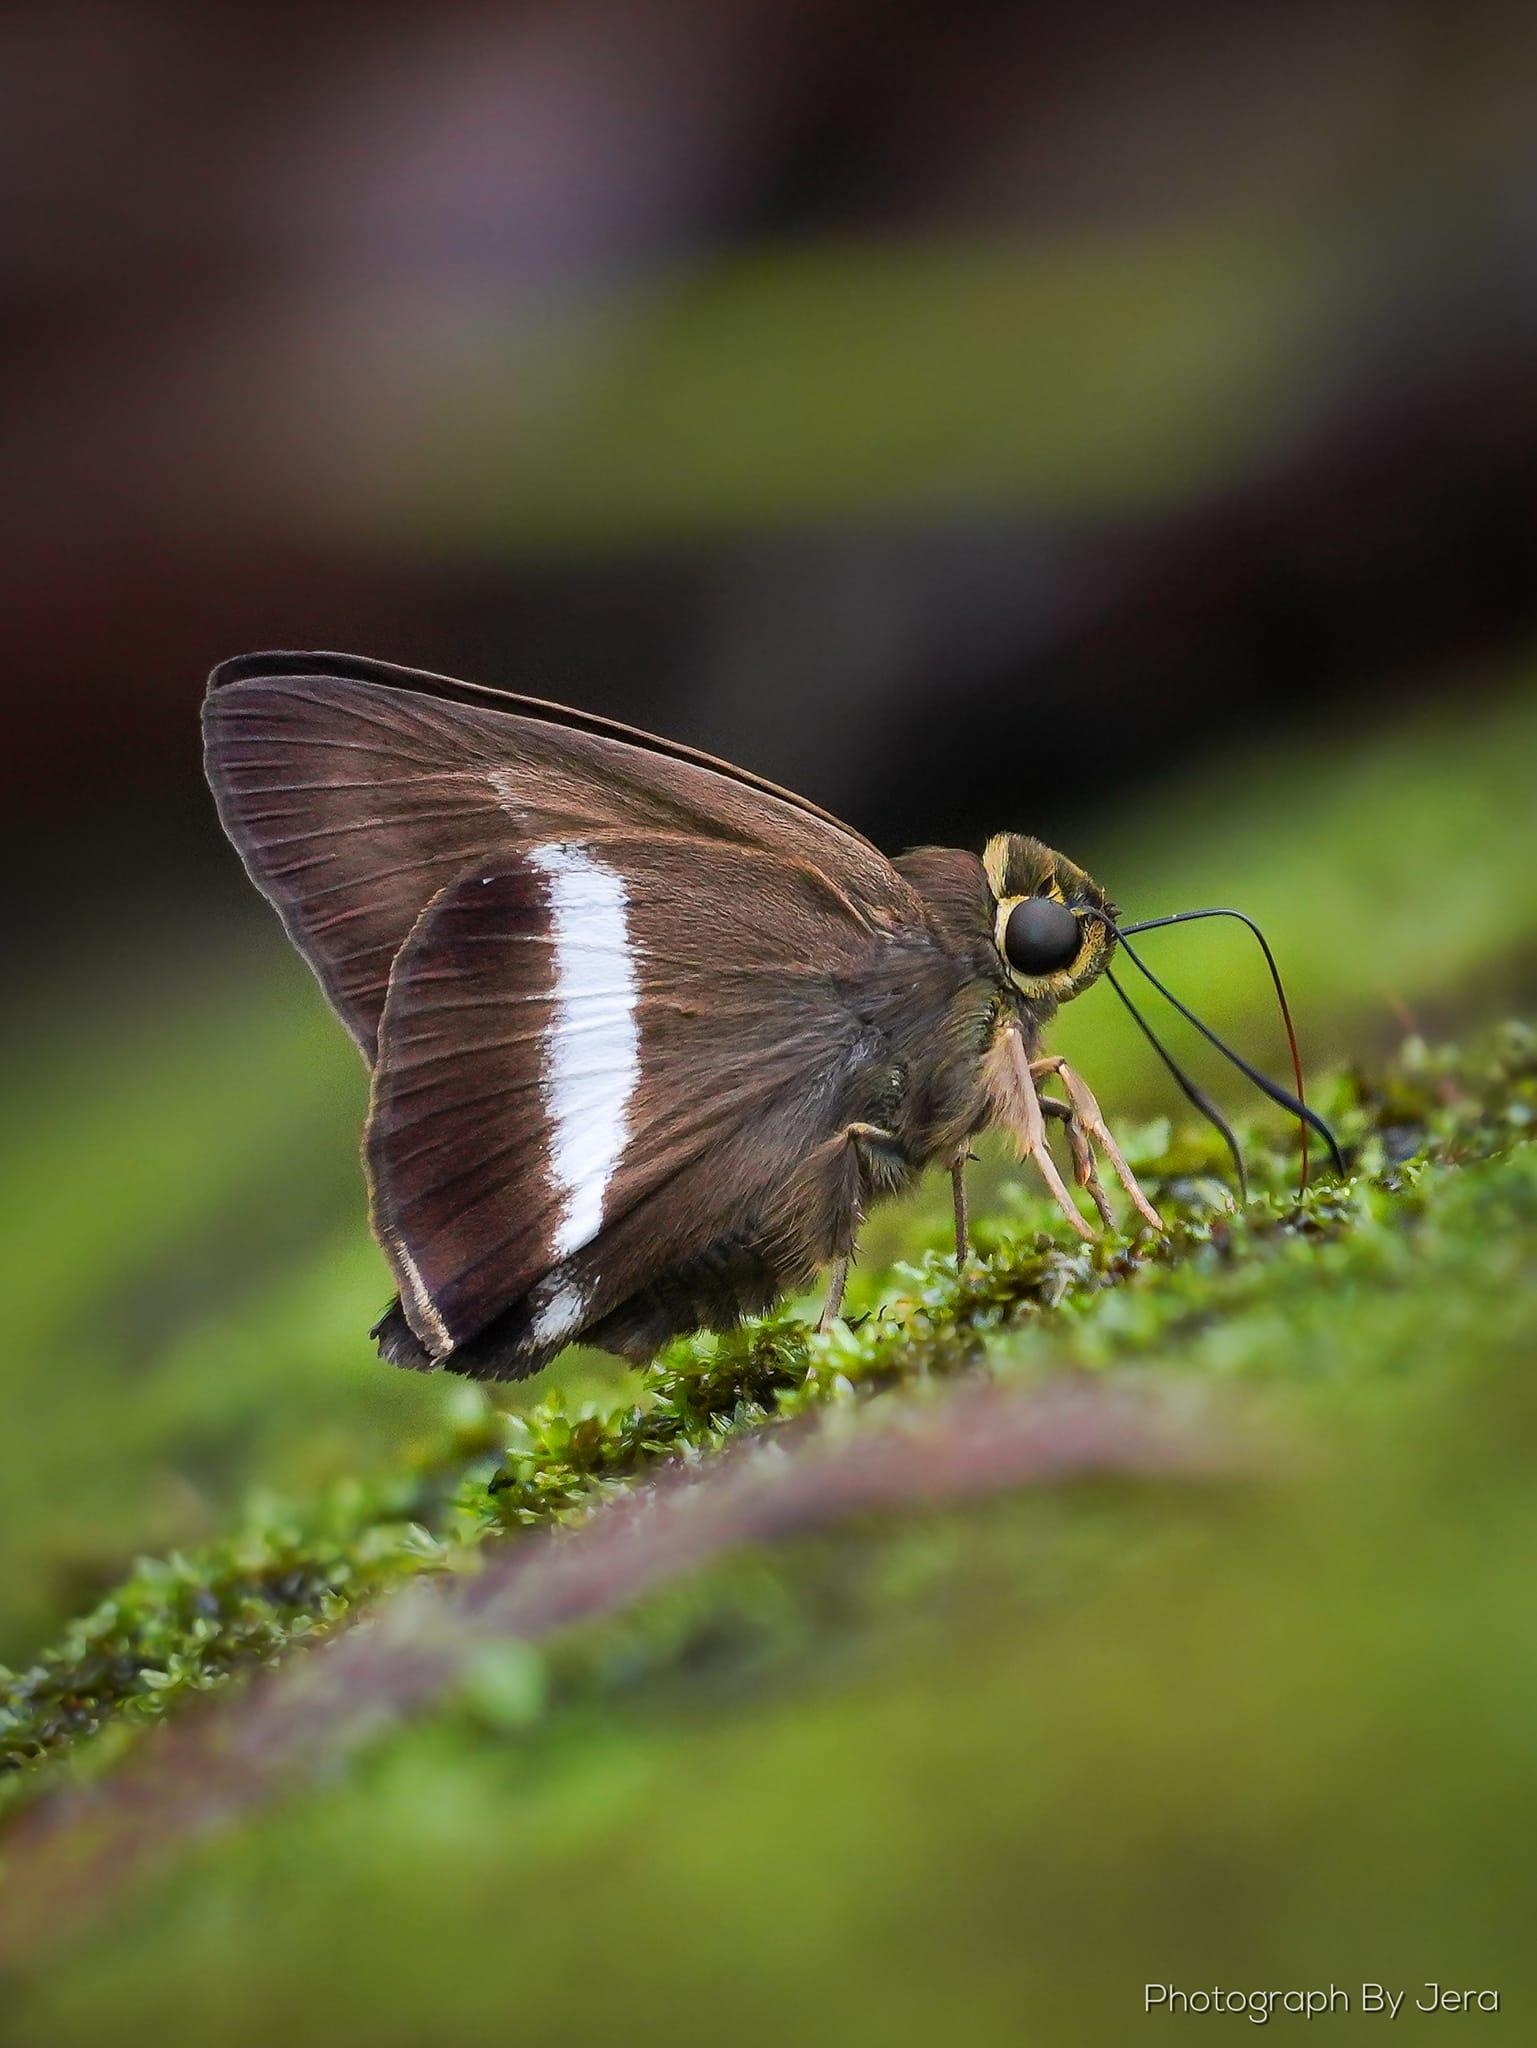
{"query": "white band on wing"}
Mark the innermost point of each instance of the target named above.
(592, 1044)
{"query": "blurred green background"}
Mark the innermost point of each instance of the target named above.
(1114, 426)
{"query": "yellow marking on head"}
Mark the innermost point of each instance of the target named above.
(995, 862)
(1018, 869)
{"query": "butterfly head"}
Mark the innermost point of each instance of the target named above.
(1050, 946)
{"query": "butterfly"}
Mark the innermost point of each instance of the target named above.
(648, 1036)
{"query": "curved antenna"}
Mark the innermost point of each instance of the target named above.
(1153, 924)
(1276, 1094)
(1198, 1096)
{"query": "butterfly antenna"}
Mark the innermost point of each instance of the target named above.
(1282, 1097)
(1153, 924)
(1198, 1096)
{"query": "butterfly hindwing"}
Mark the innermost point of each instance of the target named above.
(613, 1080)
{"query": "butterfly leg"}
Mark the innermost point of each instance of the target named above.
(1015, 1105)
(862, 1156)
(958, 1191)
(1084, 1170)
(1086, 1121)
(834, 1302)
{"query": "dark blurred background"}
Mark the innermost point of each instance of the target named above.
(956, 411)
(1112, 422)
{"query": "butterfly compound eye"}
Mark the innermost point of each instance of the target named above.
(1041, 936)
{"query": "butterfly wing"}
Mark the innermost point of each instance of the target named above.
(623, 1001)
(355, 791)
(615, 1076)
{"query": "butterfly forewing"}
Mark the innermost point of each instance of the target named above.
(355, 792)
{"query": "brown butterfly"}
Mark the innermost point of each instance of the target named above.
(648, 1035)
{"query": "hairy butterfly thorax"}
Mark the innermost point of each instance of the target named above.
(647, 1035)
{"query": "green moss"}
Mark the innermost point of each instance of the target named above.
(985, 1773)
(186, 1624)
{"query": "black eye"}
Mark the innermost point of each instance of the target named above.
(1041, 936)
